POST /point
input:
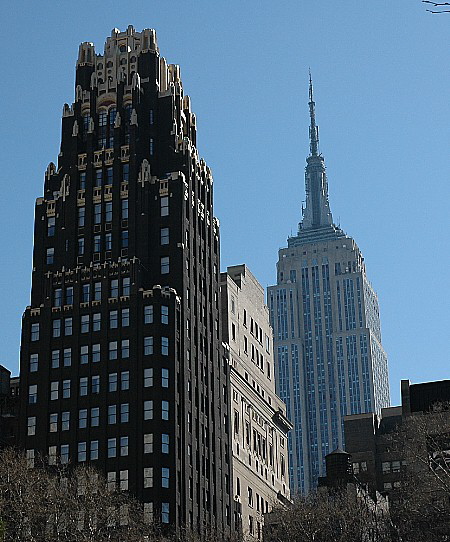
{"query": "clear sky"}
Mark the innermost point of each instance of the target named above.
(382, 79)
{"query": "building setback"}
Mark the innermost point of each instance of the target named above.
(324, 312)
(258, 416)
(121, 361)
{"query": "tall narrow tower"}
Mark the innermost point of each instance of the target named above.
(121, 360)
(324, 312)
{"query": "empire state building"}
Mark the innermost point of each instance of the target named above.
(324, 312)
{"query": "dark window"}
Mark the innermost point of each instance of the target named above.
(35, 332)
(98, 177)
(50, 255)
(81, 216)
(81, 246)
(124, 238)
(126, 286)
(109, 175)
(83, 180)
(85, 293)
(126, 172)
(97, 291)
(69, 295)
(125, 208)
(97, 213)
(51, 226)
(108, 211)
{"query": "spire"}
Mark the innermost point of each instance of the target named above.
(317, 212)
(313, 129)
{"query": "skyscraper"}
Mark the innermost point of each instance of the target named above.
(121, 361)
(327, 340)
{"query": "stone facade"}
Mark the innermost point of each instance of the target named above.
(258, 416)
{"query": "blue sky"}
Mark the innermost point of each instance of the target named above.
(381, 79)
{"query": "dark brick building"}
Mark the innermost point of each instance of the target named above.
(121, 362)
(377, 458)
(9, 407)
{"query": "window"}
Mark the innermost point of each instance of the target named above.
(84, 354)
(85, 293)
(83, 174)
(165, 206)
(164, 314)
(152, 146)
(148, 314)
(126, 286)
(112, 447)
(124, 412)
(109, 175)
(67, 326)
(94, 450)
(148, 443)
(125, 380)
(66, 389)
(85, 323)
(54, 390)
(97, 243)
(57, 297)
(95, 384)
(114, 288)
(95, 353)
(69, 295)
(64, 455)
(165, 378)
(123, 446)
(148, 410)
(165, 477)
(112, 382)
(148, 377)
(148, 477)
(57, 328)
(95, 416)
(165, 265)
(395, 466)
(250, 496)
(113, 319)
(123, 474)
(124, 209)
(97, 291)
(113, 350)
(53, 423)
(83, 385)
(50, 255)
(81, 216)
(164, 410)
(98, 177)
(34, 362)
(98, 213)
(81, 246)
(164, 512)
(164, 346)
(126, 172)
(82, 418)
(112, 414)
(125, 348)
(164, 443)
(125, 317)
(151, 117)
(164, 236)
(111, 481)
(55, 359)
(148, 346)
(31, 425)
(65, 421)
(96, 321)
(386, 467)
(124, 238)
(30, 458)
(108, 241)
(35, 332)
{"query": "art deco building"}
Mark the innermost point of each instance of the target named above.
(330, 360)
(121, 361)
(258, 416)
